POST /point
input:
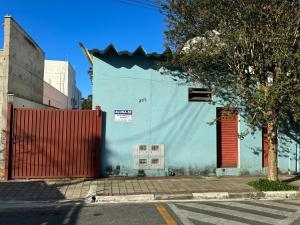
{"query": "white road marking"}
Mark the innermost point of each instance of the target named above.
(231, 212)
(185, 216)
(282, 205)
(244, 205)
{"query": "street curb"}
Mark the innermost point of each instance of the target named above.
(282, 194)
(122, 198)
(184, 196)
(139, 198)
(267, 195)
(211, 195)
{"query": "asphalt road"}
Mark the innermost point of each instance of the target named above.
(168, 213)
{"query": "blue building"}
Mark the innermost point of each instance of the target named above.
(156, 125)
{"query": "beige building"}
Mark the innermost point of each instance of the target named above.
(54, 98)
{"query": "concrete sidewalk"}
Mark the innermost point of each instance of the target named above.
(161, 187)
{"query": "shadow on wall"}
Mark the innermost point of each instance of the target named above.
(105, 168)
(290, 128)
(256, 150)
(284, 151)
(286, 143)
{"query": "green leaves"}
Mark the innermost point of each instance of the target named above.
(246, 51)
(266, 185)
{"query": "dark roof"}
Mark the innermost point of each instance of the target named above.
(139, 51)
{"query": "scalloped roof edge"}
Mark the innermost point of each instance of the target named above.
(138, 50)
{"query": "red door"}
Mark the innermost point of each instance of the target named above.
(227, 138)
(265, 147)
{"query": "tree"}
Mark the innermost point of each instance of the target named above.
(247, 52)
(87, 103)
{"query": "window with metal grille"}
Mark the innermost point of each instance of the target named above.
(142, 147)
(154, 147)
(142, 161)
(154, 161)
(199, 95)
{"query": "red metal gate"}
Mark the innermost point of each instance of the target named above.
(53, 143)
(227, 138)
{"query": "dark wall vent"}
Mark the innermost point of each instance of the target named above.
(199, 95)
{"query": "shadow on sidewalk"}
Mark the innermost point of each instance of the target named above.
(41, 215)
(36, 191)
(29, 191)
(290, 180)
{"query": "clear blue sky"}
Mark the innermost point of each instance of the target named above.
(59, 25)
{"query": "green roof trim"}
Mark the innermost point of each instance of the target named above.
(139, 51)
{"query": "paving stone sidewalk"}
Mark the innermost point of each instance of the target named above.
(53, 190)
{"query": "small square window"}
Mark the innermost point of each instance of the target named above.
(154, 147)
(199, 95)
(142, 161)
(154, 161)
(143, 147)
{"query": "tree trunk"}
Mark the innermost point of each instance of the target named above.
(272, 156)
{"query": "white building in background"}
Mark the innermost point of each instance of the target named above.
(61, 76)
(78, 97)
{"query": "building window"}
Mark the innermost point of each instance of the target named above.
(142, 161)
(199, 95)
(154, 147)
(143, 147)
(154, 161)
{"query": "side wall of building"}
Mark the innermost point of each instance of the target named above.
(78, 97)
(26, 60)
(1, 61)
(54, 97)
(3, 95)
(22, 73)
(162, 114)
(24, 103)
(71, 87)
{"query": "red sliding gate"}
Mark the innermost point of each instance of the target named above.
(53, 143)
(227, 138)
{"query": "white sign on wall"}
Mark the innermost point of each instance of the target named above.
(123, 115)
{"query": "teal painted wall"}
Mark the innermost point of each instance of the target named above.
(162, 114)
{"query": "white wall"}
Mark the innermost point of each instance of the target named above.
(56, 74)
(62, 76)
